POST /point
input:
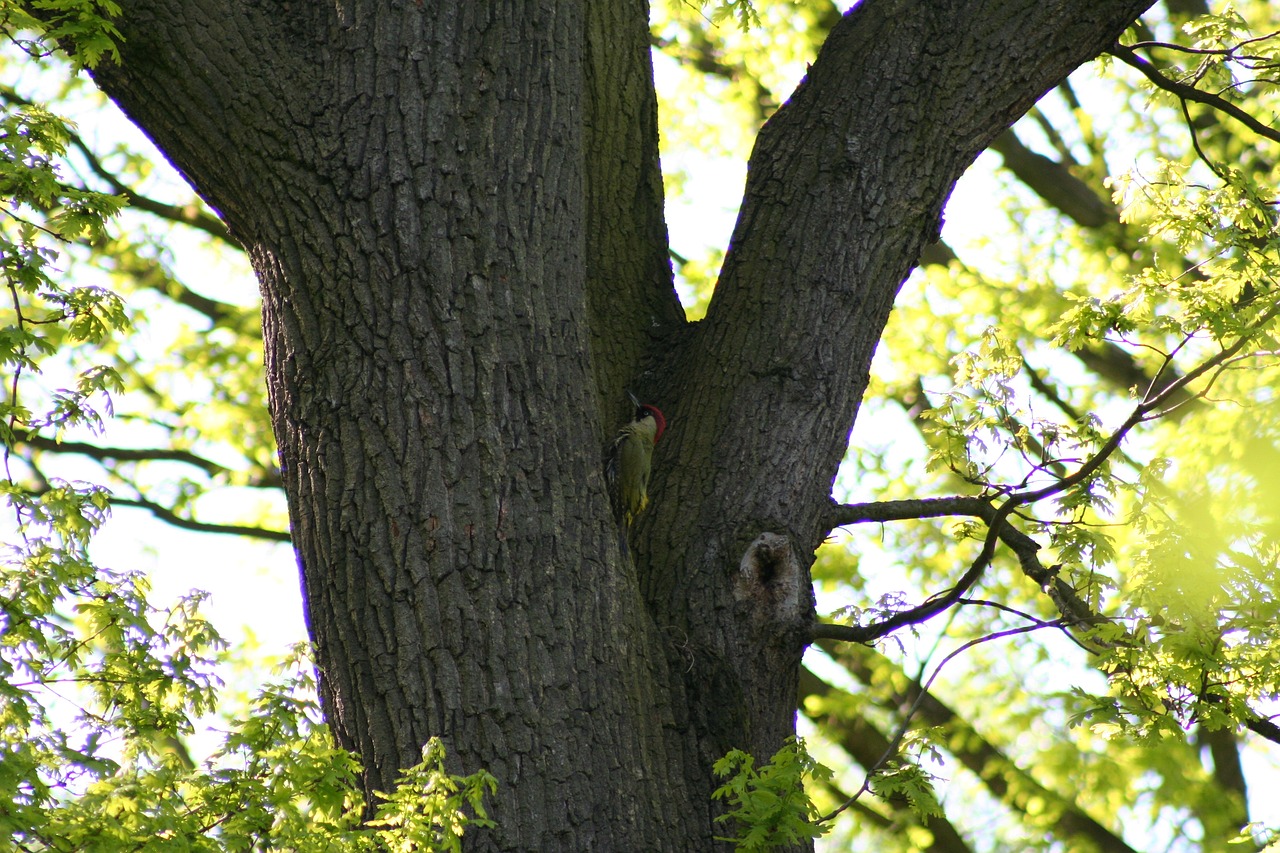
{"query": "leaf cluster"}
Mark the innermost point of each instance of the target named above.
(768, 807)
(81, 30)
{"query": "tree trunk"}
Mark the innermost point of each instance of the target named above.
(455, 214)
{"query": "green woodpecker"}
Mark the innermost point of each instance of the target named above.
(631, 460)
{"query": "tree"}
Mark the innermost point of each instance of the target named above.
(456, 216)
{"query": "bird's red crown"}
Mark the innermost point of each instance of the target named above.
(657, 417)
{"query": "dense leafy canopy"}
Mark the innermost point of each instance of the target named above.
(1064, 487)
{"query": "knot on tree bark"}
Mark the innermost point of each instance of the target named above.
(770, 581)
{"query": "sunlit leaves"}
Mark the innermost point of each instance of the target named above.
(84, 27)
(1173, 537)
(1210, 32)
(1019, 366)
(768, 807)
(121, 778)
(909, 780)
(42, 216)
(101, 323)
(431, 809)
(741, 12)
(96, 679)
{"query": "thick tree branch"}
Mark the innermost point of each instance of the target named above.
(933, 605)
(199, 103)
(1264, 727)
(1187, 8)
(150, 275)
(123, 454)
(631, 297)
(1224, 748)
(1054, 183)
(805, 289)
(166, 514)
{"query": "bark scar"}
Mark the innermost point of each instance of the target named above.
(769, 579)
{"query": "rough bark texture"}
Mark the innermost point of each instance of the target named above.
(455, 214)
(845, 187)
(630, 296)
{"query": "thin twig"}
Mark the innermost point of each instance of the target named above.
(996, 517)
(1191, 93)
(915, 706)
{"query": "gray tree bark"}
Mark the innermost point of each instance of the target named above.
(454, 211)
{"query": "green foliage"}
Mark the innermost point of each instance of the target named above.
(741, 12)
(100, 689)
(120, 777)
(1022, 367)
(99, 323)
(429, 809)
(1005, 371)
(769, 807)
(81, 28)
(1012, 370)
(907, 779)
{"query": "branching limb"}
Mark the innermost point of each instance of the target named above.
(934, 604)
(1229, 52)
(1129, 57)
(1264, 727)
(165, 514)
(1150, 408)
(1074, 609)
(149, 454)
(190, 214)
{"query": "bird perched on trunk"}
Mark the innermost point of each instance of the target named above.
(630, 461)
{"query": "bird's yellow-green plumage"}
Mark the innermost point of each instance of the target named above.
(634, 449)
